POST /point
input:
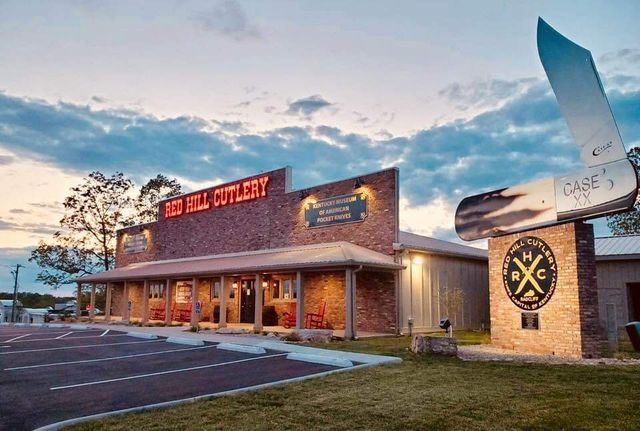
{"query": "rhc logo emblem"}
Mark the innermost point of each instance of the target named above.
(529, 272)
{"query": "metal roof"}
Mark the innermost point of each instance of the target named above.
(413, 241)
(288, 258)
(617, 247)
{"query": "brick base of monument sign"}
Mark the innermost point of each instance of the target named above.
(543, 292)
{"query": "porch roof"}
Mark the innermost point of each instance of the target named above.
(335, 254)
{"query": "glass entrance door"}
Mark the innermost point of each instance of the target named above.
(247, 301)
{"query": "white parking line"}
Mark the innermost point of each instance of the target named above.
(112, 358)
(105, 333)
(71, 338)
(16, 338)
(160, 373)
(63, 335)
(80, 347)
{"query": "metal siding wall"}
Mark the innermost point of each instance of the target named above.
(421, 285)
(613, 277)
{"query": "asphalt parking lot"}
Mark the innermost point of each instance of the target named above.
(48, 375)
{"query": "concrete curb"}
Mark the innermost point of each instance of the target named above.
(351, 356)
(186, 341)
(143, 335)
(318, 359)
(255, 350)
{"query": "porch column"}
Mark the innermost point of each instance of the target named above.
(92, 302)
(349, 327)
(300, 301)
(107, 305)
(78, 302)
(194, 299)
(257, 325)
(222, 321)
(125, 301)
(168, 299)
(145, 303)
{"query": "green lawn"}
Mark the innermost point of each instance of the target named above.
(427, 392)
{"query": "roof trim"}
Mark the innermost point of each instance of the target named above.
(345, 254)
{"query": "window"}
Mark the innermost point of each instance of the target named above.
(283, 288)
(216, 290)
(156, 290)
(183, 292)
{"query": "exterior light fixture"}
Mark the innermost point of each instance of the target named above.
(358, 183)
(304, 194)
(234, 284)
(265, 284)
(446, 325)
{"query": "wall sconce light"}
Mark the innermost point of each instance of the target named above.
(358, 183)
(141, 229)
(234, 284)
(304, 194)
(265, 284)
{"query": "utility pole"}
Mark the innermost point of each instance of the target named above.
(15, 292)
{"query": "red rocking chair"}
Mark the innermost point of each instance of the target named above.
(315, 320)
(289, 317)
(182, 313)
(158, 312)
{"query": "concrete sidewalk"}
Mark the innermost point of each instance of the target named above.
(249, 340)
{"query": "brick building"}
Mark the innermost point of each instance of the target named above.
(266, 255)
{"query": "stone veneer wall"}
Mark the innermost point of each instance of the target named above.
(329, 286)
(375, 301)
(569, 321)
(271, 222)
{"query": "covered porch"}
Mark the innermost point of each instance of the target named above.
(338, 286)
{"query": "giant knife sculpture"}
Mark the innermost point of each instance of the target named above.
(608, 185)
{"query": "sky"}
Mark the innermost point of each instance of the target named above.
(452, 93)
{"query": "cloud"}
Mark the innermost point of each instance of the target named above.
(6, 160)
(228, 19)
(483, 93)
(521, 139)
(629, 55)
(307, 106)
(35, 228)
(19, 211)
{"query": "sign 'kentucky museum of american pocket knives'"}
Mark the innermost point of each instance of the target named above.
(336, 210)
(135, 243)
(608, 184)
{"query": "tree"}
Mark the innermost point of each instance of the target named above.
(86, 242)
(628, 223)
(146, 204)
(453, 299)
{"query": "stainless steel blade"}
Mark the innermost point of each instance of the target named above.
(576, 84)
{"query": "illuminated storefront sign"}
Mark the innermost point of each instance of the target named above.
(241, 191)
(336, 210)
(135, 243)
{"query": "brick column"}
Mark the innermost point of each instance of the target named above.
(568, 322)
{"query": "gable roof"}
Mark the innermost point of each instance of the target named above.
(413, 241)
(618, 247)
(335, 254)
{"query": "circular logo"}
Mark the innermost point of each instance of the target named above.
(529, 272)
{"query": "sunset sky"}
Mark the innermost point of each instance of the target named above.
(452, 93)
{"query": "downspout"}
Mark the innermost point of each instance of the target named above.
(354, 308)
